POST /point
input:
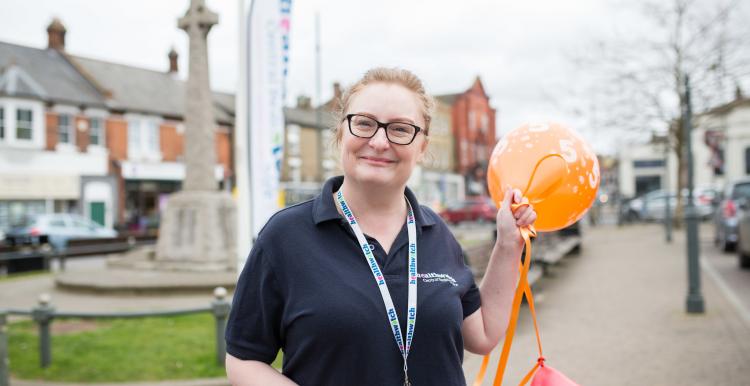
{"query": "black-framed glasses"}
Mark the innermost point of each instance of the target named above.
(400, 133)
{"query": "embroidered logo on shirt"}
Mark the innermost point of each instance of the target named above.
(435, 277)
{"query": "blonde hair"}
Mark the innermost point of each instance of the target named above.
(397, 76)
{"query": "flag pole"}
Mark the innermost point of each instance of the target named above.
(243, 140)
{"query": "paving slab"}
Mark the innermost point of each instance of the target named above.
(615, 315)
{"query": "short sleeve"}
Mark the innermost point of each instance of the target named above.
(471, 300)
(254, 324)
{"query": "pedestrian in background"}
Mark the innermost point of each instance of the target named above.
(362, 285)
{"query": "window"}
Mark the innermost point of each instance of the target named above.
(2, 123)
(747, 160)
(19, 213)
(65, 129)
(652, 163)
(143, 137)
(134, 135)
(481, 152)
(96, 131)
(293, 139)
(57, 222)
(152, 136)
(24, 124)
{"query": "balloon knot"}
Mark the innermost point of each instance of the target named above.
(541, 361)
(529, 230)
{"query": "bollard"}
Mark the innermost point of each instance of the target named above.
(220, 308)
(43, 315)
(4, 361)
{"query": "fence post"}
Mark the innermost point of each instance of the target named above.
(4, 361)
(43, 315)
(220, 308)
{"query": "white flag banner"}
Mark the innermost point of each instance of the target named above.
(264, 34)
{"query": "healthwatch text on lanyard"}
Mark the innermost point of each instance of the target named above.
(373, 264)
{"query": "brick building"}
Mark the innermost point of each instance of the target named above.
(473, 129)
(94, 137)
(310, 156)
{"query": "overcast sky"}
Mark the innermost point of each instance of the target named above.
(518, 48)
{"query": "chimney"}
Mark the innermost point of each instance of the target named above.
(738, 93)
(303, 102)
(336, 91)
(56, 35)
(172, 61)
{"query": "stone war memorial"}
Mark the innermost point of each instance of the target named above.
(196, 247)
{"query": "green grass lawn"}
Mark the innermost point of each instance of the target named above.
(22, 275)
(118, 350)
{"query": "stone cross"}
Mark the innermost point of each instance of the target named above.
(197, 228)
(200, 148)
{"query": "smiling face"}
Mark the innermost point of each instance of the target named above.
(376, 160)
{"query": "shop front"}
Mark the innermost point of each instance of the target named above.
(147, 187)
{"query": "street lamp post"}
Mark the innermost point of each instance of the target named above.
(668, 197)
(695, 304)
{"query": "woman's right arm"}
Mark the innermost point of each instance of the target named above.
(251, 373)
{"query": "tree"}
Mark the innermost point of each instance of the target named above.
(638, 80)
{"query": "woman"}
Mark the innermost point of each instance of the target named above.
(362, 286)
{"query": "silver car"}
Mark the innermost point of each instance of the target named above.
(57, 229)
(726, 216)
(653, 204)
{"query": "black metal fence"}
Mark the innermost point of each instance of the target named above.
(38, 255)
(44, 314)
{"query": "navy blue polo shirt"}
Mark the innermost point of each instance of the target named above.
(307, 289)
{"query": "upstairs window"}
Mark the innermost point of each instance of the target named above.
(2, 123)
(24, 124)
(96, 131)
(134, 136)
(143, 138)
(65, 129)
(152, 136)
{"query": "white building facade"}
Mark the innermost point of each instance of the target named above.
(720, 148)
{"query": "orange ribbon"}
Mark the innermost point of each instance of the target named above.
(523, 288)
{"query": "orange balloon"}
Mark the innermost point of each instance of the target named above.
(553, 167)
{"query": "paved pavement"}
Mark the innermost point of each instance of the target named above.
(735, 281)
(24, 294)
(613, 315)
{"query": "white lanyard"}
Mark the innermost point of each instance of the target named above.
(390, 309)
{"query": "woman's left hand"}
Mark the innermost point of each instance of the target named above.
(508, 222)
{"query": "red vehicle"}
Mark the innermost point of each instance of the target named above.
(477, 208)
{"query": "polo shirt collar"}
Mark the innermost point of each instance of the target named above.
(324, 208)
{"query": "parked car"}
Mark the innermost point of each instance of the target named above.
(55, 228)
(651, 206)
(743, 231)
(629, 209)
(726, 215)
(476, 208)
